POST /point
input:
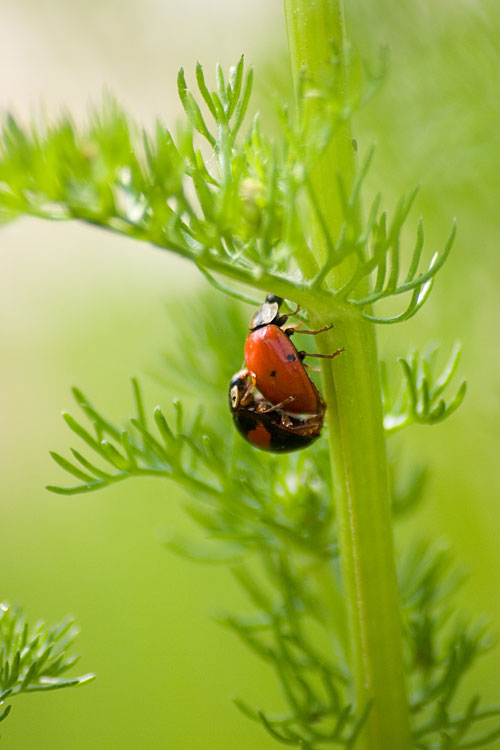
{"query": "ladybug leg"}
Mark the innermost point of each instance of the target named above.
(321, 356)
(292, 328)
(318, 330)
(295, 329)
(308, 426)
(281, 321)
(247, 394)
(275, 407)
(312, 369)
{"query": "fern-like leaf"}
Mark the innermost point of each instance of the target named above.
(235, 212)
(33, 659)
(420, 398)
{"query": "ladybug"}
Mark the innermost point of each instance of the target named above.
(265, 425)
(276, 365)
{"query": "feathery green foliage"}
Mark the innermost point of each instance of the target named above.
(441, 649)
(235, 483)
(420, 397)
(33, 659)
(241, 213)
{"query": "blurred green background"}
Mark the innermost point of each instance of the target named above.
(79, 307)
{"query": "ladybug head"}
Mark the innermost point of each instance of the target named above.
(267, 313)
(240, 391)
(274, 298)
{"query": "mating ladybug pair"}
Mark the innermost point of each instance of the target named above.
(275, 404)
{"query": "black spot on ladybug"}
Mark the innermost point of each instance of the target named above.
(290, 357)
(273, 373)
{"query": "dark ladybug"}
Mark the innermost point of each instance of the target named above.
(268, 426)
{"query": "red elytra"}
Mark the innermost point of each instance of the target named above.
(260, 437)
(279, 372)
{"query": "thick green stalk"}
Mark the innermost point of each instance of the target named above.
(316, 33)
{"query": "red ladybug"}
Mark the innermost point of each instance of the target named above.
(275, 363)
(268, 426)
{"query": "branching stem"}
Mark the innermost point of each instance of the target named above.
(352, 390)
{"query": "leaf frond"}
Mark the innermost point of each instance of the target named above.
(420, 396)
(34, 658)
(236, 212)
(200, 460)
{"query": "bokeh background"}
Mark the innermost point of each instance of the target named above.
(80, 307)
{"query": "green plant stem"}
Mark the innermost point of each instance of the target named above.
(318, 49)
(357, 445)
